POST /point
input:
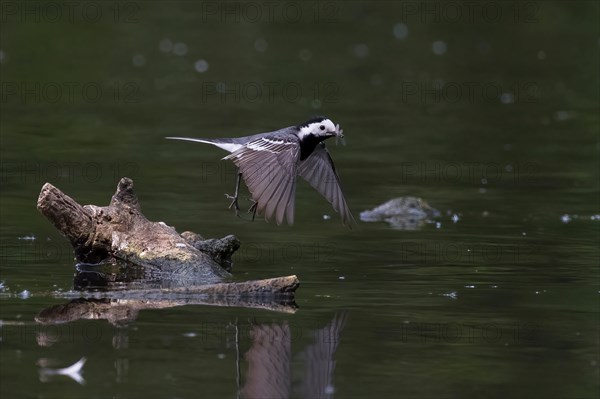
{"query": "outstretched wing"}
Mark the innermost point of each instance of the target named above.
(268, 167)
(319, 171)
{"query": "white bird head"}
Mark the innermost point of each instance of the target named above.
(322, 128)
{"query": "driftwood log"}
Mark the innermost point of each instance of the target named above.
(120, 233)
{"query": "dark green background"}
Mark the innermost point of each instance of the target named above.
(524, 322)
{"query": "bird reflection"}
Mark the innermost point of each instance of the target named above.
(268, 360)
(319, 362)
(269, 372)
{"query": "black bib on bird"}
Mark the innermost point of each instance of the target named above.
(307, 146)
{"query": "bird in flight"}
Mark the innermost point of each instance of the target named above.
(270, 162)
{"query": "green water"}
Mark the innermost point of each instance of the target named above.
(489, 117)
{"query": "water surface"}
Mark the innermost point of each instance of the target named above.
(492, 121)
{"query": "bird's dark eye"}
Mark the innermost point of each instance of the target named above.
(322, 127)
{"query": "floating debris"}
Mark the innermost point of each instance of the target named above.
(190, 335)
(30, 237)
(341, 278)
(455, 218)
(469, 286)
(326, 217)
(453, 295)
(25, 294)
(566, 218)
(74, 372)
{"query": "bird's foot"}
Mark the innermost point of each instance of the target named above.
(253, 209)
(234, 203)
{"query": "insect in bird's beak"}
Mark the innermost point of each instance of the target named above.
(339, 135)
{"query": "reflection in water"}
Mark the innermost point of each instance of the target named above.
(120, 341)
(319, 363)
(121, 370)
(122, 308)
(269, 362)
(46, 338)
(271, 369)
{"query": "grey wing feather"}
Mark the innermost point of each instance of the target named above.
(319, 171)
(268, 167)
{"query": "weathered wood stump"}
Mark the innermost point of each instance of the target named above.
(120, 232)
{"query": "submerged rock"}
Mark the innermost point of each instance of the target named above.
(403, 213)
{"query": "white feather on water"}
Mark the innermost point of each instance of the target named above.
(74, 372)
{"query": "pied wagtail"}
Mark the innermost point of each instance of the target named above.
(269, 163)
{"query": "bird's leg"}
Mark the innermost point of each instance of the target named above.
(234, 198)
(253, 209)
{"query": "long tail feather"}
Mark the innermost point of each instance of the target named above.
(226, 145)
